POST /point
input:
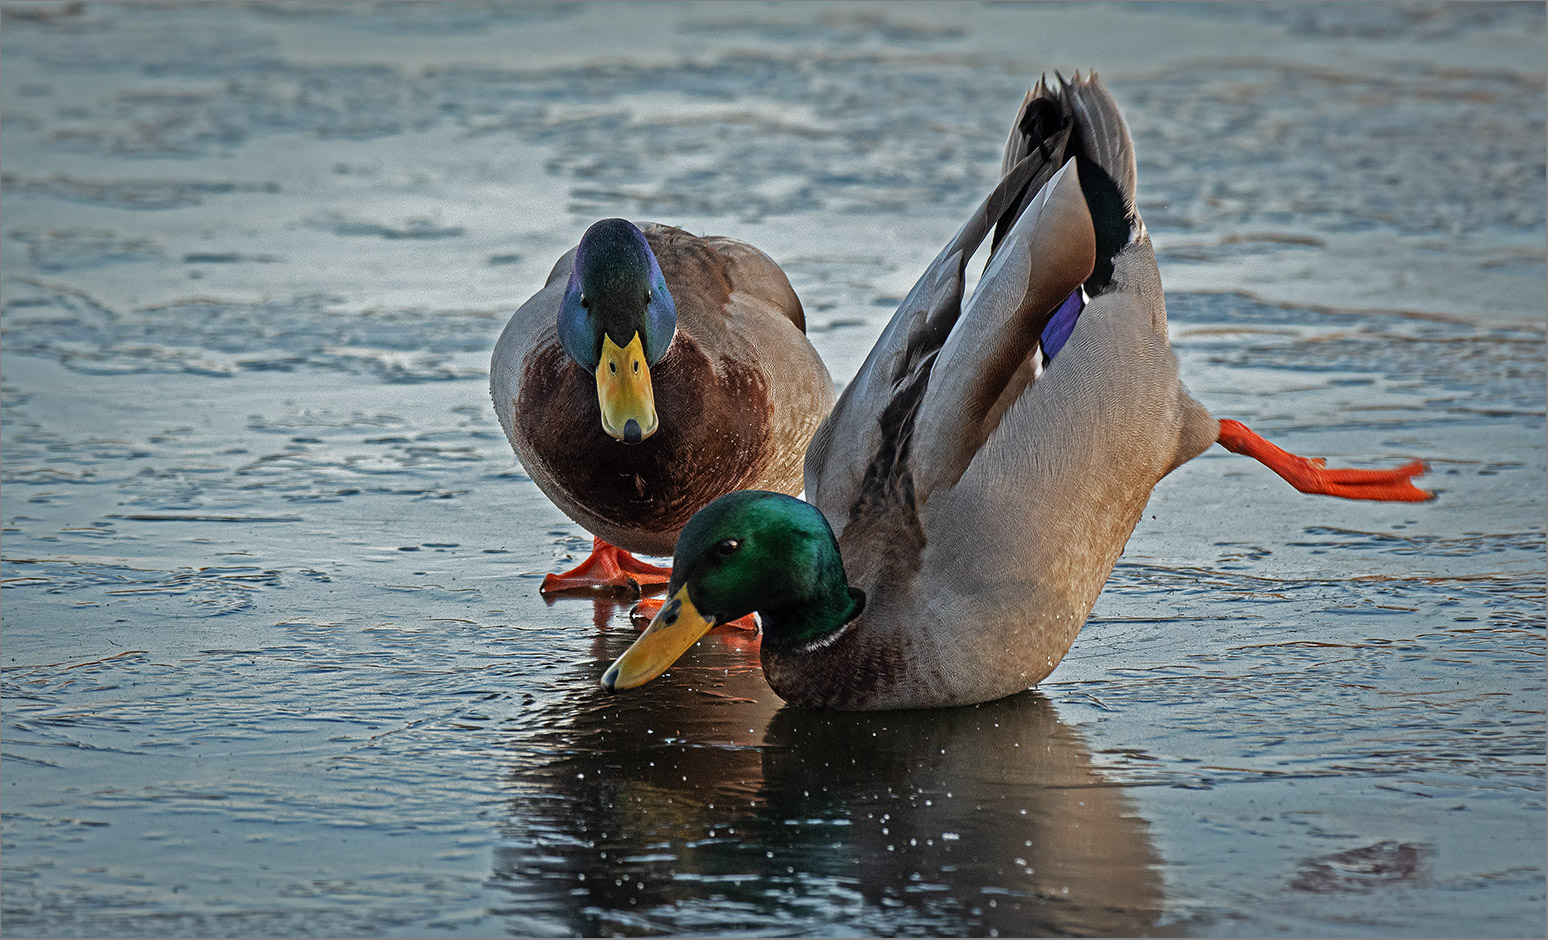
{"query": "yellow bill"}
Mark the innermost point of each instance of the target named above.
(677, 626)
(623, 390)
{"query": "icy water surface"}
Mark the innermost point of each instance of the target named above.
(274, 657)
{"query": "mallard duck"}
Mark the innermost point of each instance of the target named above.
(976, 482)
(655, 371)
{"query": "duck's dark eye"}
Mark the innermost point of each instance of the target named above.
(647, 297)
(728, 546)
(585, 304)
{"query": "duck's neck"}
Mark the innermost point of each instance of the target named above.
(820, 614)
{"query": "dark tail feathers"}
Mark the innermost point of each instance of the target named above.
(1079, 119)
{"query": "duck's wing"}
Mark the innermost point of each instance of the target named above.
(766, 329)
(931, 389)
(754, 274)
(714, 277)
(531, 328)
(763, 384)
(988, 357)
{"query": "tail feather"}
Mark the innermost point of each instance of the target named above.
(1078, 119)
(1104, 137)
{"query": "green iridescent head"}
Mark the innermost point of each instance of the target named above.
(747, 551)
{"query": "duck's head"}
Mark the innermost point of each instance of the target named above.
(747, 551)
(617, 319)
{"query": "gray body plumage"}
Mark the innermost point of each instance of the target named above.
(980, 500)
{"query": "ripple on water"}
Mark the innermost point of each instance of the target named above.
(216, 338)
(128, 193)
(211, 591)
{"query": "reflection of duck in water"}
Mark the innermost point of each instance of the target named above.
(695, 814)
(970, 819)
(977, 480)
(655, 371)
(634, 816)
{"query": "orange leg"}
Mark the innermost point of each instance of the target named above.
(607, 570)
(640, 615)
(1311, 476)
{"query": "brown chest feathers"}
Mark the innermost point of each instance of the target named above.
(713, 438)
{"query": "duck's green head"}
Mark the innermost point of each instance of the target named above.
(747, 551)
(617, 319)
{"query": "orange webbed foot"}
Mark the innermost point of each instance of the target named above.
(607, 570)
(1311, 475)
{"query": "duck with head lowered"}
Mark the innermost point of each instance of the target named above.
(977, 481)
(655, 371)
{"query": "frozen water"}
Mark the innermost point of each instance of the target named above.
(274, 657)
